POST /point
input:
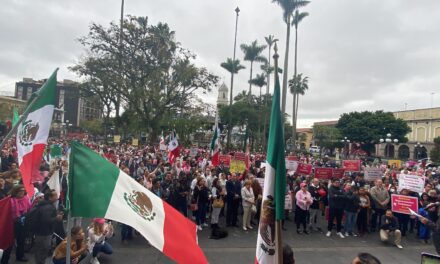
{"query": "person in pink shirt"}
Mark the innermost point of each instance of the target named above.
(20, 205)
(303, 202)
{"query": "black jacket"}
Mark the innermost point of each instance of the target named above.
(336, 198)
(389, 223)
(232, 188)
(47, 218)
(435, 227)
(352, 202)
(315, 196)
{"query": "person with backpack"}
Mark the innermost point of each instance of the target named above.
(20, 205)
(43, 222)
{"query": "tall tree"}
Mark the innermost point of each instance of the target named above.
(260, 81)
(297, 18)
(298, 86)
(270, 40)
(252, 53)
(233, 67)
(159, 78)
(288, 6)
(367, 127)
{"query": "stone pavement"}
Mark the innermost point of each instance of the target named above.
(239, 247)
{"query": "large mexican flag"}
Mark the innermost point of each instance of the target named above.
(274, 191)
(33, 131)
(97, 188)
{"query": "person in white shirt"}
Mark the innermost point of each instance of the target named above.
(248, 200)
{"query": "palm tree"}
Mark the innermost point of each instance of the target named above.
(260, 81)
(232, 66)
(253, 53)
(298, 85)
(270, 40)
(288, 6)
(297, 18)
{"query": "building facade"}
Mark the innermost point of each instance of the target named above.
(223, 92)
(425, 126)
(72, 107)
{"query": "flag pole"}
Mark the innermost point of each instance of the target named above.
(69, 237)
(278, 237)
(24, 115)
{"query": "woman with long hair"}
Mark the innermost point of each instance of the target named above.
(201, 198)
(78, 248)
(364, 206)
(217, 195)
(248, 200)
(20, 205)
(98, 231)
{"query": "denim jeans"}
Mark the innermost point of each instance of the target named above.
(126, 232)
(201, 214)
(350, 221)
(102, 247)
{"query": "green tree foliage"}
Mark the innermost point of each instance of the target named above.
(435, 152)
(252, 53)
(93, 126)
(368, 127)
(327, 136)
(151, 72)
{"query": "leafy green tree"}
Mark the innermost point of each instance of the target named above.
(327, 137)
(93, 126)
(252, 53)
(367, 127)
(260, 81)
(288, 7)
(435, 152)
(298, 86)
(152, 73)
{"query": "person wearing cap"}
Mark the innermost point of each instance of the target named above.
(98, 231)
(303, 202)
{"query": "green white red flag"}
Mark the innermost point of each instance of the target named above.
(97, 188)
(272, 207)
(33, 131)
(215, 144)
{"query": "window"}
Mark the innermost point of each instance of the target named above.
(19, 92)
(224, 96)
(28, 93)
(61, 98)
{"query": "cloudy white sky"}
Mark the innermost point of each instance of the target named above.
(358, 54)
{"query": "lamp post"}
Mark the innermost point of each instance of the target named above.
(388, 140)
(418, 148)
(346, 141)
(237, 10)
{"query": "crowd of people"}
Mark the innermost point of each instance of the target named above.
(205, 193)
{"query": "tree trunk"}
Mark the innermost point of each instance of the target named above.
(229, 143)
(294, 94)
(286, 66)
(250, 84)
(265, 104)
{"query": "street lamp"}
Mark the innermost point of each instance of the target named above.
(419, 147)
(237, 10)
(388, 140)
(346, 142)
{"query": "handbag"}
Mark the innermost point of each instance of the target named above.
(218, 203)
(194, 207)
(253, 209)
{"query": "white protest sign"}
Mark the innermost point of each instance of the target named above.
(291, 165)
(372, 174)
(413, 183)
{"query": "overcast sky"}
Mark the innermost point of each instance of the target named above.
(358, 54)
